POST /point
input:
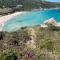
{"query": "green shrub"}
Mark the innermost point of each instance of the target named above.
(8, 56)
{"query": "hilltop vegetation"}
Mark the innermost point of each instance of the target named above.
(13, 45)
(10, 6)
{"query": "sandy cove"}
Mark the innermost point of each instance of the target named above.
(4, 19)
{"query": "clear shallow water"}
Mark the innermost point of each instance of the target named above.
(31, 19)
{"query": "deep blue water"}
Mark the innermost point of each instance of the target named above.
(30, 19)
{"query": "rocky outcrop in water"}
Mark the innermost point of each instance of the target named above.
(52, 21)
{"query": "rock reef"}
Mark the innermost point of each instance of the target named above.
(52, 21)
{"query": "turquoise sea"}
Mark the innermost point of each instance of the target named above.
(31, 18)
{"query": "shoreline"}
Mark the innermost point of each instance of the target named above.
(6, 18)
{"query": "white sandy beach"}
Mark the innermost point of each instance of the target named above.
(4, 19)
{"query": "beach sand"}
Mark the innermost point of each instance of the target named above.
(4, 19)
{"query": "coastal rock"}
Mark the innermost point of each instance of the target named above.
(50, 21)
(58, 24)
(44, 25)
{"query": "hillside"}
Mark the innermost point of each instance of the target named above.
(13, 3)
(24, 5)
(20, 45)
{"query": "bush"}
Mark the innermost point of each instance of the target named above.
(8, 56)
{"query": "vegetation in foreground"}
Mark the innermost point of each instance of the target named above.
(13, 45)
